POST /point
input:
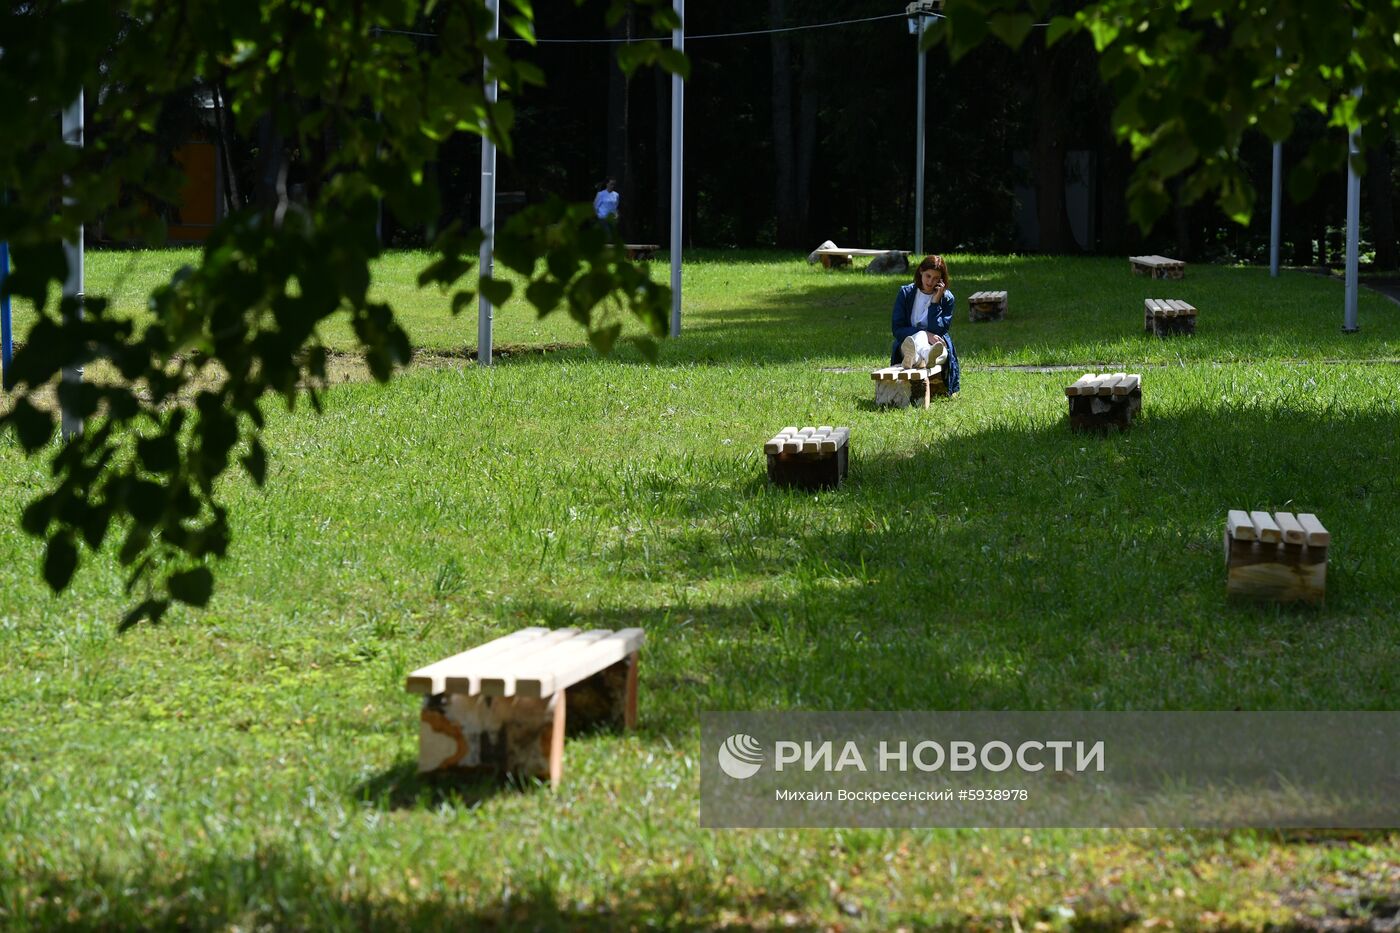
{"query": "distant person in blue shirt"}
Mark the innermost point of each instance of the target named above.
(605, 205)
(923, 310)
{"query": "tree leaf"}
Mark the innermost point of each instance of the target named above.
(60, 560)
(152, 609)
(255, 462)
(497, 291)
(193, 587)
(33, 427)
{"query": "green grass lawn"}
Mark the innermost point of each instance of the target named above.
(253, 764)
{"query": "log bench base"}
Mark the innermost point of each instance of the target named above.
(504, 709)
(1158, 267)
(1168, 317)
(986, 306)
(809, 458)
(1100, 402)
(1291, 566)
(897, 387)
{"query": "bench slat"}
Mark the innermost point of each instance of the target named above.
(499, 680)
(1080, 385)
(466, 678)
(835, 440)
(1239, 526)
(430, 679)
(569, 669)
(1317, 535)
(1265, 526)
(1292, 531)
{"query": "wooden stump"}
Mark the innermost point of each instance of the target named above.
(809, 458)
(641, 251)
(986, 306)
(897, 387)
(1158, 267)
(1167, 317)
(1100, 402)
(503, 707)
(1276, 558)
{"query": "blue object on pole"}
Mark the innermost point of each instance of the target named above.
(6, 344)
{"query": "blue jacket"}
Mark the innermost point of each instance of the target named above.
(939, 317)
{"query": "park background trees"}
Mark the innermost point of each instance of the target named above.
(806, 135)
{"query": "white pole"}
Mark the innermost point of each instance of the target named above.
(71, 424)
(488, 207)
(1276, 214)
(919, 153)
(677, 162)
(1349, 323)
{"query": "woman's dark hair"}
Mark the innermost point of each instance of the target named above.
(937, 264)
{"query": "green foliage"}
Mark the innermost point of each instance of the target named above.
(246, 320)
(1192, 78)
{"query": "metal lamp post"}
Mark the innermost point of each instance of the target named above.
(919, 12)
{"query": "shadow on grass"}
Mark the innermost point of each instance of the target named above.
(403, 787)
(1022, 566)
(282, 890)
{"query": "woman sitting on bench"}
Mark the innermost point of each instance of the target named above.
(923, 310)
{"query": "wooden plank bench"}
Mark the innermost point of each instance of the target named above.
(986, 306)
(840, 256)
(1098, 402)
(1280, 557)
(501, 707)
(897, 387)
(1167, 316)
(1158, 267)
(640, 251)
(809, 458)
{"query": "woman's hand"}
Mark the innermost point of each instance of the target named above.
(938, 291)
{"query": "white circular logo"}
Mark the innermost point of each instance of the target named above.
(740, 756)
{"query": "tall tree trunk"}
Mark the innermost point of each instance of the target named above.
(232, 200)
(1116, 165)
(272, 164)
(1382, 202)
(788, 215)
(1181, 228)
(619, 154)
(807, 135)
(1048, 149)
(662, 215)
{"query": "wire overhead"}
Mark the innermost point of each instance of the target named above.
(688, 37)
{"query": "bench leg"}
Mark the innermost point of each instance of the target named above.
(492, 735)
(555, 736)
(629, 711)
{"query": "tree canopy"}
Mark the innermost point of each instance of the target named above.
(345, 87)
(1192, 77)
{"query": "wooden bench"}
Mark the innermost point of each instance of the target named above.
(641, 251)
(1099, 402)
(1167, 316)
(897, 387)
(1158, 267)
(809, 458)
(501, 708)
(840, 256)
(986, 306)
(1280, 557)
